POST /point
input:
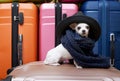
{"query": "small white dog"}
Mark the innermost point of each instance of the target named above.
(59, 53)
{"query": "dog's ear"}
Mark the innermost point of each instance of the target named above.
(73, 25)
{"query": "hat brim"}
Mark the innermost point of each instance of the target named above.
(95, 29)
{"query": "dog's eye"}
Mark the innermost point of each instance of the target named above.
(79, 28)
(87, 27)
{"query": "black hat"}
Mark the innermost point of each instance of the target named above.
(95, 30)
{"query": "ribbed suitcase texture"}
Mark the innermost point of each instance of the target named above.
(107, 13)
(37, 71)
(28, 30)
(47, 25)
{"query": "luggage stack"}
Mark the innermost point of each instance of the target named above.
(28, 32)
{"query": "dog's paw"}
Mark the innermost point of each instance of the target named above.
(45, 62)
(55, 64)
(78, 67)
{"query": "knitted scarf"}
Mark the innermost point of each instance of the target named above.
(81, 48)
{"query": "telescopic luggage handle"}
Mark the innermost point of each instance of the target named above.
(17, 18)
(15, 22)
(58, 18)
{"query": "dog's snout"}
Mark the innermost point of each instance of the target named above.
(83, 31)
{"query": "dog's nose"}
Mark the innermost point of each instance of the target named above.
(83, 31)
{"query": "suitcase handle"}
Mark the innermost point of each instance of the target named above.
(112, 48)
(19, 18)
(64, 16)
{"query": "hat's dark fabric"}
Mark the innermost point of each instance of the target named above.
(95, 30)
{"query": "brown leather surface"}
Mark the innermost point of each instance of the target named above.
(39, 71)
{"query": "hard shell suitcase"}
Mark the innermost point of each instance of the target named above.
(50, 15)
(70, 1)
(35, 1)
(18, 42)
(78, 1)
(37, 71)
(107, 13)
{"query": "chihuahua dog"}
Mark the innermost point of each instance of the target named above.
(59, 53)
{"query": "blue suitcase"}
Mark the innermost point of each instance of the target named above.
(107, 13)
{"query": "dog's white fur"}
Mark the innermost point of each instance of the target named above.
(59, 53)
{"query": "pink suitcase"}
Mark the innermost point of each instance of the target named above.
(49, 13)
